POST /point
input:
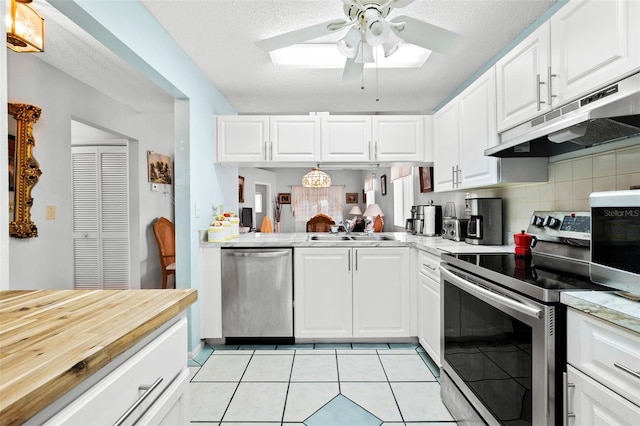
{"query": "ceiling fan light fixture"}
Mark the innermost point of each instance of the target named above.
(350, 43)
(391, 44)
(316, 178)
(377, 30)
(25, 28)
(365, 54)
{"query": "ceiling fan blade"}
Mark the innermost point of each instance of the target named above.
(352, 72)
(427, 35)
(355, 3)
(303, 34)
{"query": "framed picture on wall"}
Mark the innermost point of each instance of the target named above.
(426, 179)
(159, 168)
(284, 198)
(352, 197)
(383, 184)
(241, 189)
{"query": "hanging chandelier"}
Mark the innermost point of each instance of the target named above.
(316, 178)
(25, 28)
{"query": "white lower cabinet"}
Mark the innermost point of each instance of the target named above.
(603, 372)
(429, 304)
(156, 377)
(351, 292)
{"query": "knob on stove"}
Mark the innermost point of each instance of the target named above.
(537, 221)
(551, 222)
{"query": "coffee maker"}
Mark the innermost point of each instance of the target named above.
(415, 224)
(485, 221)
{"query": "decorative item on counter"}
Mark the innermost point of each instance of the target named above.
(524, 243)
(266, 225)
(215, 233)
(235, 224)
(277, 210)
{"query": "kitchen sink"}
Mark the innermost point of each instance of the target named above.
(350, 237)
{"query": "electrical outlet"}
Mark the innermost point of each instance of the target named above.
(155, 187)
(51, 212)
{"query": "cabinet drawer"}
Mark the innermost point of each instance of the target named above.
(590, 403)
(161, 360)
(429, 265)
(605, 352)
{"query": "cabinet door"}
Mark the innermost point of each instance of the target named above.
(477, 116)
(445, 146)
(173, 406)
(522, 76)
(590, 403)
(242, 138)
(398, 138)
(381, 292)
(594, 43)
(429, 317)
(294, 138)
(322, 292)
(346, 138)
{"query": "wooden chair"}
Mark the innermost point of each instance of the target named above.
(320, 223)
(165, 234)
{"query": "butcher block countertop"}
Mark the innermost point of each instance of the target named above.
(52, 340)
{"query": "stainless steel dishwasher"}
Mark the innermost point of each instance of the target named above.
(257, 295)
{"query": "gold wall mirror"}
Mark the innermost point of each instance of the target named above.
(24, 170)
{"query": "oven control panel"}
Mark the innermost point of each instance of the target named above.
(560, 226)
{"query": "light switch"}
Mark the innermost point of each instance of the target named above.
(197, 210)
(51, 212)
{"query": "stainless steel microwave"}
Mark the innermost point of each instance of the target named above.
(615, 239)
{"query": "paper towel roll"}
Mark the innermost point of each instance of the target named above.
(429, 220)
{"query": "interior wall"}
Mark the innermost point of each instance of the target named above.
(61, 99)
(251, 177)
(4, 182)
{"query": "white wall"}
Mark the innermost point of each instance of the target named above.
(4, 183)
(61, 99)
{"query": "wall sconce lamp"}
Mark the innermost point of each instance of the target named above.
(25, 28)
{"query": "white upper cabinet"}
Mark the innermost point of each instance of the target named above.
(593, 43)
(242, 138)
(398, 138)
(294, 138)
(262, 139)
(477, 132)
(346, 138)
(446, 144)
(522, 76)
(584, 46)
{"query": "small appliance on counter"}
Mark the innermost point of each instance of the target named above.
(485, 224)
(415, 223)
(432, 220)
(453, 228)
(524, 243)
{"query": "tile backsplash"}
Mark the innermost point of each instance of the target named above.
(569, 185)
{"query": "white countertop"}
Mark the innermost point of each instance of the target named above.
(607, 305)
(435, 245)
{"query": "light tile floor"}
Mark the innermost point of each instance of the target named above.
(316, 385)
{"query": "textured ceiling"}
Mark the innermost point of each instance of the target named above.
(219, 36)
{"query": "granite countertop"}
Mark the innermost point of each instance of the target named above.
(435, 245)
(53, 340)
(607, 305)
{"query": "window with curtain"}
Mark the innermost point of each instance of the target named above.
(402, 179)
(369, 189)
(308, 202)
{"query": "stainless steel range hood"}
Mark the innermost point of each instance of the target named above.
(606, 115)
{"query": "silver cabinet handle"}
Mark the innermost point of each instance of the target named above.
(627, 370)
(565, 398)
(375, 151)
(550, 77)
(459, 175)
(370, 152)
(356, 259)
(271, 151)
(453, 176)
(429, 266)
(147, 391)
(349, 262)
(538, 84)
(266, 152)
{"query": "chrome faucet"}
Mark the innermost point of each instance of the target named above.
(345, 225)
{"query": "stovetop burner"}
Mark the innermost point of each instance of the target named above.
(522, 275)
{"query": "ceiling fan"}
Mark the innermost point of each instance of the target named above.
(369, 28)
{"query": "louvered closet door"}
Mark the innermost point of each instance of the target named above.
(100, 217)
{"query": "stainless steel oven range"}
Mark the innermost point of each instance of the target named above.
(503, 337)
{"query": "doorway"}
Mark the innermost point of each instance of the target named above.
(261, 202)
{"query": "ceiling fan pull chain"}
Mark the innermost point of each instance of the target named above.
(377, 80)
(363, 60)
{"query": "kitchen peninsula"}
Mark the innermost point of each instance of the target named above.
(78, 354)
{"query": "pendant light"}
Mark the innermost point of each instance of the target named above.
(25, 28)
(316, 178)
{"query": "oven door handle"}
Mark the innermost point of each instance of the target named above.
(488, 294)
